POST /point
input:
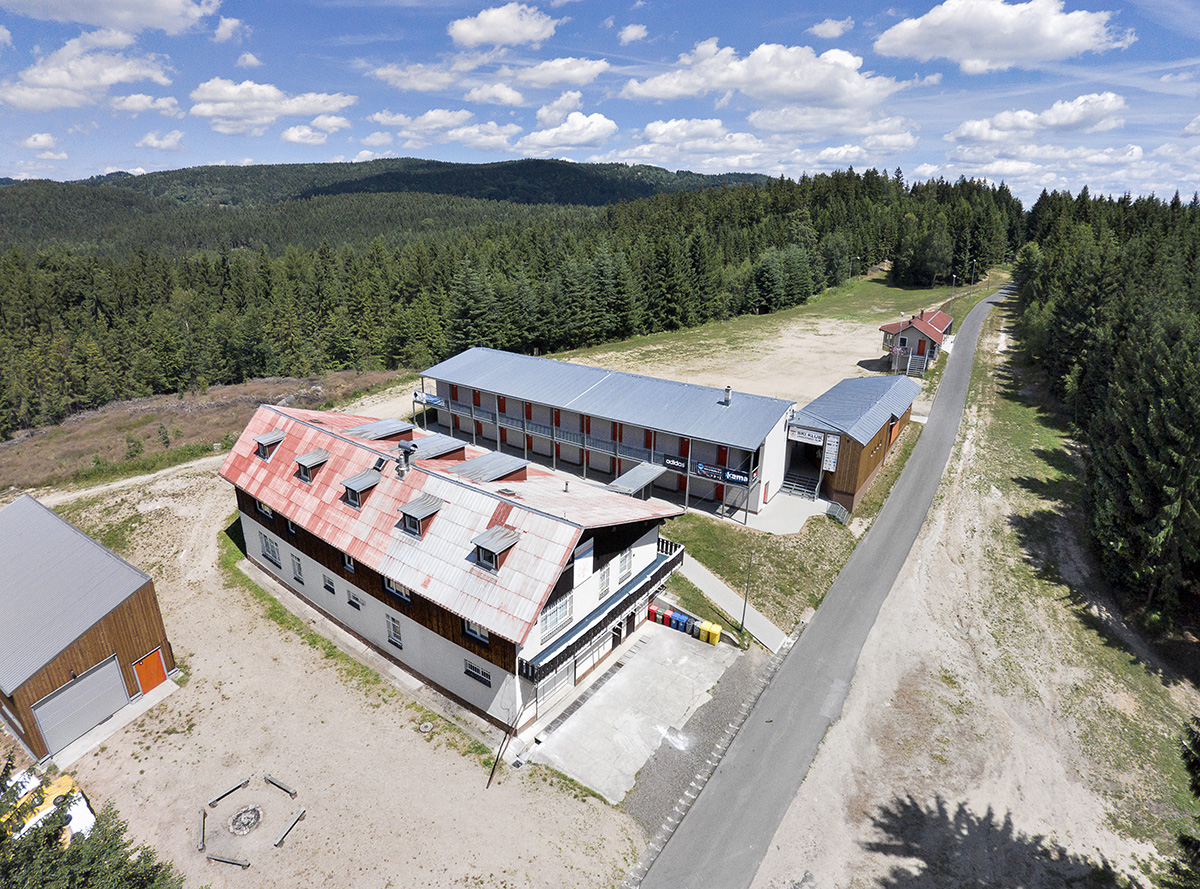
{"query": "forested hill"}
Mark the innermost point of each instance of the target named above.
(1110, 307)
(303, 205)
(80, 327)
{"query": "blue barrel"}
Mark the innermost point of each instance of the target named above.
(679, 620)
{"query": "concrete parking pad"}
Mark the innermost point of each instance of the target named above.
(610, 737)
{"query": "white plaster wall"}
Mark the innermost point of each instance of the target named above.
(774, 462)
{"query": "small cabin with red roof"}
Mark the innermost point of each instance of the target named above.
(489, 578)
(920, 338)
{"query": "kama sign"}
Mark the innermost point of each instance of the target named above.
(829, 464)
(737, 477)
(676, 463)
(808, 436)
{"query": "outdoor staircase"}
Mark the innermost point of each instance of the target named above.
(800, 485)
(916, 365)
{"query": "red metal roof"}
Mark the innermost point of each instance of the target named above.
(440, 565)
(932, 324)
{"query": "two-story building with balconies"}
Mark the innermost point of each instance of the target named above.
(490, 578)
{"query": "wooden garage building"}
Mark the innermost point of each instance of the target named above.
(839, 440)
(81, 634)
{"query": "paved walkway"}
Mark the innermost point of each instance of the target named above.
(727, 830)
(732, 603)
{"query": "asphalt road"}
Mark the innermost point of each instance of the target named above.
(722, 840)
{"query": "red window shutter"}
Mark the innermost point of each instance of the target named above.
(528, 411)
(649, 440)
(475, 397)
(453, 392)
(502, 403)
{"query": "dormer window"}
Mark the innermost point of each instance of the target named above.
(357, 486)
(417, 514)
(492, 546)
(264, 445)
(307, 464)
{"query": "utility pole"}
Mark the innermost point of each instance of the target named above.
(746, 598)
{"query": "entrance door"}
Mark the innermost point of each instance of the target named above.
(921, 347)
(82, 704)
(150, 670)
(616, 643)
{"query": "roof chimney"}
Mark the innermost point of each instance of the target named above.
(566, 486)
(728, 394)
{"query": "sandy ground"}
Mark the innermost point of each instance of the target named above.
(936, 775)
(386, 805)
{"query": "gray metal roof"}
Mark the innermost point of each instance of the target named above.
(666, 405)
(497, 539)
(490, 467)
(368, 478)
(377, 429)
(858, 407)
(313, 458)
(275, 436)
(57, 584)
(422, 507)
(436, 445)
(635, 479)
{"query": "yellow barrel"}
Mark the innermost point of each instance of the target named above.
(705, 626)
(714, 634)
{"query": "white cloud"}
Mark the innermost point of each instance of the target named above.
(5, 36)
(1092, 113)
(439, 119)
(228, 29)
(249, 107)
(53, 155)
(303, 135)
(495, 94)
(489, 136)
(700, 144)
(390, 119)
(377, 139)
(631, 33)
(993, 35)
(508, 25)
(248, 60)
(1180, 77)
(330, 123)
(831, 28)
(819, 124)
(1193, 128)
(81, 73)
(771, 71)
(421, 77)
(578, 130)
(576, 72)
(172, 16)
(39, 142)
(676, 132)
(554, 113)
(139, 102)
(168, 142)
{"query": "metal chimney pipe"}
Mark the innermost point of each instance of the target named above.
(728, 394)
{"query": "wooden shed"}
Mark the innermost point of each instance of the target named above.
(843, 435)
(81, 634)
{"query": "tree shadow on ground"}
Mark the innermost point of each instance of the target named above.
(948, 847)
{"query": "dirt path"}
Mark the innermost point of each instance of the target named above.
(386, 804)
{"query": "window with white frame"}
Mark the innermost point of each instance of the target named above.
(399, 590)
(411, 525)
(348, 562)
(477, 673)
(486, 558)
(605, 580)
(475, 631)
(354, 599)
(305, 473)
(556, 617)
(264, 509)
(327, 582)
(354, 498)
(297, 569)
(393, 628)
(626, 564)
(270, 549)
(291, 527)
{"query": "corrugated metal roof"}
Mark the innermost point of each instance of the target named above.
(859, 407)
(497, 539)
(313, 458)
(422, 507)
(669, 406)
(368, 478)
(436, 445)
(377, 429)
(490, 467)
(269, 438)
(634, 480)
(439, 565)
(57, 583)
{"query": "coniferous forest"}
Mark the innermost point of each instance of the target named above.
(156, 296)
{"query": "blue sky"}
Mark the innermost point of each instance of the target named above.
(1040, 94)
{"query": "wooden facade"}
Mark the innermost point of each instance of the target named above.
(131, 631)
(858, 463)
(497, 651)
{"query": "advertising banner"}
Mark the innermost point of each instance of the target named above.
(829, 464)
(808, 436)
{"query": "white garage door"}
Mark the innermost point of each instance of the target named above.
(81, 704)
